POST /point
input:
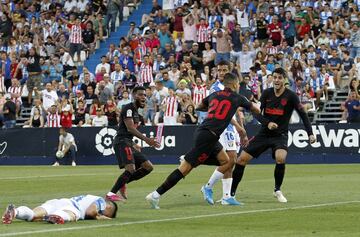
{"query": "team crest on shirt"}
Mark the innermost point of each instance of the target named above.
(129, 113)
(283, 102)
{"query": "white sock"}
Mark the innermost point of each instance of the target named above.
(110, 193)
(155, 194)
(63, 215)
(226, 184)
(24, 213)
(216, 176)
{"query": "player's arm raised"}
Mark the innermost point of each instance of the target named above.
(129, 122)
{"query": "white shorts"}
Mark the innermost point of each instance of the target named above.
(63, 204)
(237, 142)
(228, 141)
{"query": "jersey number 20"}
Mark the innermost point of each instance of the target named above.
(219, 110)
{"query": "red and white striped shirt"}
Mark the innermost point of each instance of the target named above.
(15, 90)
(203, 33)
(271, 50)
(2, 84)
(146, 73)
(75, 35)
(53, 120)
(171, 106)
(199, 93)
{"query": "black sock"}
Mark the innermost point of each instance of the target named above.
(121, 181)
(279, 173)
(237, 176)
(139, 173)
(170, 181)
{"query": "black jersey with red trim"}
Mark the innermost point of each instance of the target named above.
(278, 109)
(222, 106)
(128, 111)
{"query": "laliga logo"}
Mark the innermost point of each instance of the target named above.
(104, 141)
(3, 147)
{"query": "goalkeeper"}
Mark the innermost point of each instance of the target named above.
(66, 147)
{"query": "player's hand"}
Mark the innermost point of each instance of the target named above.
(137, 147)
(272, 126)
(312, 139)
(152, 142)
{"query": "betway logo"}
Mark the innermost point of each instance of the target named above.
(168, 141)
(326, 138)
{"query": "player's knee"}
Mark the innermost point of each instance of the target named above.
(148, 166)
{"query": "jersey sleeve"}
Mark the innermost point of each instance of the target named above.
(303, 115)
(260, 117)
(100, 205)
(127, 113)
(244, 102)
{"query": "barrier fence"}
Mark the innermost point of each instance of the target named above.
(336, 143)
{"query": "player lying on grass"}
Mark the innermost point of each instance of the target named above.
(277, 105)
(59, 211)
(221, 107)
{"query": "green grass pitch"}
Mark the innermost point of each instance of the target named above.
(324, 200)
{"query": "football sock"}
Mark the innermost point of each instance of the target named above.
(170, 181)
(226, 184)
(216, 176)
(121, 181)
(279, 173)
(237, 176)
(139, 173)
(24, 213)
(63, 215)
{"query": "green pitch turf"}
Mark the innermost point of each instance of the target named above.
(324, 200)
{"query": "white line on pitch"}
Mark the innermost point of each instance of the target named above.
(66, 175)
(176, 218)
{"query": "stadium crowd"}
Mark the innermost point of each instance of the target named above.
(173, 53)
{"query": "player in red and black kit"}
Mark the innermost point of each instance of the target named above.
(277, 106)
(126, 151)
(221, 107)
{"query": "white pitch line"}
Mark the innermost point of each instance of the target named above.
(65, 175)
(176, 219)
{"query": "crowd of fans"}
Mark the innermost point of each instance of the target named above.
(173, 53)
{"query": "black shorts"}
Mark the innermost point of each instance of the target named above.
(205, 150)
(126, 154)
(262, 142)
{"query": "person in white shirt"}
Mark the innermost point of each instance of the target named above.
(49, 96)
(82, 75)
(82, 5)
(67, 146)
(117, 75)
(70, 5)
(62, 210)
(103, 64)
(99, 120)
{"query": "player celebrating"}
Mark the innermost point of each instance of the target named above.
(228, 141)
(277, 105)
(59, 211)
(126, 151)
(221, 107)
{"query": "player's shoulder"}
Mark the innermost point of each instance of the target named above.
(289, 93)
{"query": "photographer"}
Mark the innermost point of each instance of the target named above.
(188, 116)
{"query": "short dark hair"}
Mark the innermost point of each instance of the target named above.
(223, 62)
(230, 78)
(138, 88)
(280, 71)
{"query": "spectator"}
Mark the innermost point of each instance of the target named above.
(9, 111)
(101, 65)
(99, 120)
(103, 92)
(151, 105)
(170, 106)
(90, 96)
(36, 120)
(5, 66)
(188, 116)
(89, 37)
(15, 93)
(80, 114)
(49, 96)
(111, 114)
(124, 100)
(352, 107)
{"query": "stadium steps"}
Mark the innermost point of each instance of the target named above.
(331, 111)
(24, 116)
(121, 31)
